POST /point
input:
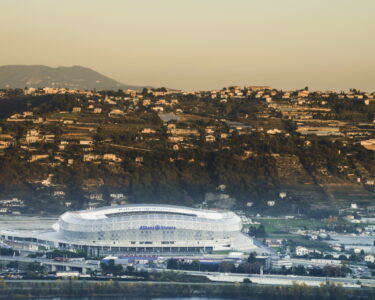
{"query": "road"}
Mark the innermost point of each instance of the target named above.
(129, 147)
(215, 276)
(128, 281)
(280, 279)
(50, 262)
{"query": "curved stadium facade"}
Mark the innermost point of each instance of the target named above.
(146, 229)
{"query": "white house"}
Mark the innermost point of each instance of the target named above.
(370, 258)
(302, 251)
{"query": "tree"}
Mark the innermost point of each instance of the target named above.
(35, 268)
(12, 265)
(252, 257)
(9, 252)
(130, 269)
(343, 257)
(172, 264)
(111, 268)
(226, 266)
(333, 271)
(353, 257)
(246, 280)
(300, 270)
(258, 232)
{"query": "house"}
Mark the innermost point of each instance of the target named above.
(4, 144)
(148, 131)
(28, 113)
(97, 110)
(116, 113)
(96, 196)
(161, 102)
(358, 250)
(118, 196)
(68, 122)
(221, 187)
(210, 138)
(111, 157)
(337, 248)
(146, 102)
(90, 157)
(158, 108)
(370, 258)
(369, 144)
(38, 157)
(32, 136)
(48, 90)
(76, 109)
(176, 139)
(274, 131)
(303, 93)
(48, 138)
(86, 142)
(6, 140)
(184, 131)
(223, 136)
(268, 99)
(29, 91)
(14, 202)
(274, 242)
(210, 130)
(271, 203)
(92, 205)
(302, 251)
(109, 101)
(48, 180)
(58, 193)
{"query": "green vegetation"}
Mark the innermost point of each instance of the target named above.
(278, 226)
(11, 289)
(254, 151)
(9, 252)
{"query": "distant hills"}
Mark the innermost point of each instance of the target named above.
(75, 77)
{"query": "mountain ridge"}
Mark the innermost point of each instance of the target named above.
(73, 77)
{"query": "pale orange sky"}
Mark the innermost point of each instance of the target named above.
(198, 44)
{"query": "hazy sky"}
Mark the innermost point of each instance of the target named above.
(198, 44)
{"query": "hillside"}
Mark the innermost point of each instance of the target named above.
(75, 77)
(90, 149)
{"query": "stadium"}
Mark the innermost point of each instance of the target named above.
(147, 229)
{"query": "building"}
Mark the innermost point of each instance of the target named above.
(369, 258)
(38, 157)
(277, 263)
(302, 251)
(32, 136)
(76, 109)
(158, 229)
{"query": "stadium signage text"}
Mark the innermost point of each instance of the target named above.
(157, 227)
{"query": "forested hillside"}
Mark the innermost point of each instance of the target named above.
(64, 151)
